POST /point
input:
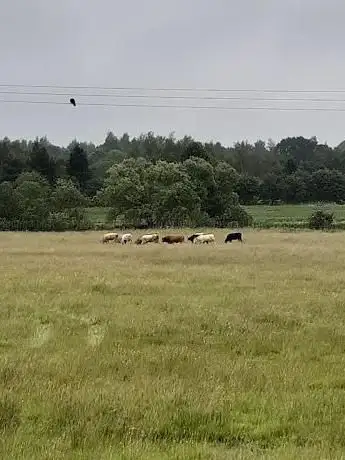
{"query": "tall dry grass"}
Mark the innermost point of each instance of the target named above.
(157, 352)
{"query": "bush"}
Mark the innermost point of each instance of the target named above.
(234, 216)
(321, 220)
(70, 219)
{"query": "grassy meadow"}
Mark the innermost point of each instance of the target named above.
(160, 352)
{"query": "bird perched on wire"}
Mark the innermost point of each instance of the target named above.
(72, 101)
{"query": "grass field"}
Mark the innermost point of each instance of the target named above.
(159, 352)
(263, 215)
(291, 213)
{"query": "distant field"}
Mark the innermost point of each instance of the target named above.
(159, 352)
(263, 215)
(291, 213)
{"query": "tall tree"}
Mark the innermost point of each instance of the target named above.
(78, 166)
(10, 201)
(195, 149)
(295, 150)
(41, 162)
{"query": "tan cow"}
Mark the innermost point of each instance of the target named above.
(149, 238)
(110, 237)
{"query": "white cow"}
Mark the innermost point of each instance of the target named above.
(126, 238)
(149, 238)
(109, 237)
(205, 238)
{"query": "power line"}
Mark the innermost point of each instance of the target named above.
(96, 104)
(147, 96)
(133, 88)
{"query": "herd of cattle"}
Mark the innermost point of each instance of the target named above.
(196, 238)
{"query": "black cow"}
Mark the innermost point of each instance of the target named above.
(233, 237)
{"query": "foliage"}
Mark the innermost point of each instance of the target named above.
(171, 194)
(78, 166)
(321, 220)
(31, 203)
(67, 196)
(40, 161)
(163, 181)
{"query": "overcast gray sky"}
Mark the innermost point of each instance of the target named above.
(235, 44)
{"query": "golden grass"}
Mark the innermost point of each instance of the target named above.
(161, 352)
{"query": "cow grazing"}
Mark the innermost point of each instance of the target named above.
(150, 238)
(126, 238)
(192, 237)
(109, 237)
(233, 237)
(172, 239)
(205, 238)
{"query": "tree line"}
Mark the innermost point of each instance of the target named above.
(161, 181)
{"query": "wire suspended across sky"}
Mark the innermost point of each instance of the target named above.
(51, 92)
(159, 96)
(194, 107)
(133, 88)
